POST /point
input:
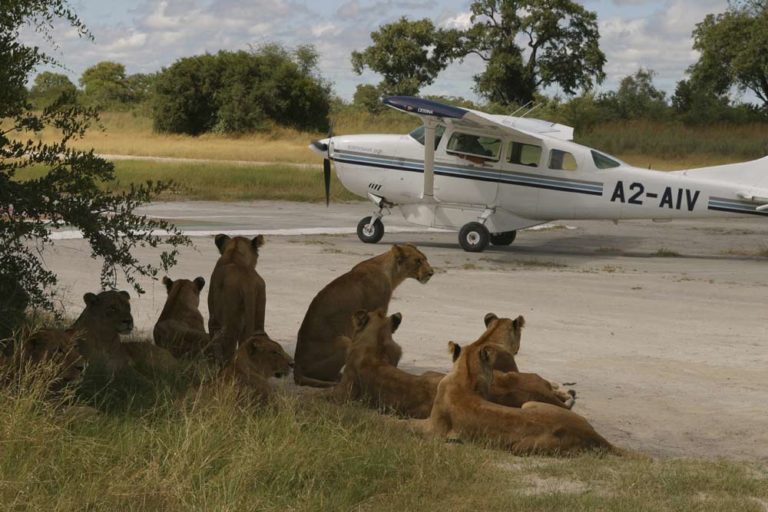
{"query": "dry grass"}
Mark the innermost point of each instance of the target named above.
(182, 450)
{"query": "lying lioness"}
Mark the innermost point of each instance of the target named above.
(371, 373)
(256, 360)
(461, 411)
(325, 333)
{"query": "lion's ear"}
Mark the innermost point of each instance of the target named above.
(220, 241)
(454, 349)
(360, 319)
(489, 317)
(90, 299)
(400, 255)
(199, 282)
(124, 294)
(168, 282)
(518, 323)
(395, 320)
(257, 241)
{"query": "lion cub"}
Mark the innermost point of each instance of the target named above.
(256, 360)
(237, 297)
(371, 373)
(180, 328)
(461, 411)
(325, 333)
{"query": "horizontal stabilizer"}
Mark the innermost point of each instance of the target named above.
(753, 175)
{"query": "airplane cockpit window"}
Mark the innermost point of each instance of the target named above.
(604, 162)
(562, 160)
(487, 148)
(418, 134)
(525, 154)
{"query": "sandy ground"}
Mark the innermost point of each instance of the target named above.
(669, 354)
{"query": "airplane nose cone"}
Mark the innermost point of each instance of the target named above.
(320, 146)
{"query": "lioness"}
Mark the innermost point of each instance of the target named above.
(325, 333)
(237, 297)
(371, 372)
(57, 347)
(511, 387)
(256, 360)
(106, 316)
(461, 411)
(180, 328)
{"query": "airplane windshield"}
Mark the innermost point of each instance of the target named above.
(418, 134)
(603, 161)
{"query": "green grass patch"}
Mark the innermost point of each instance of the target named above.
(223, 182)
(666, 253)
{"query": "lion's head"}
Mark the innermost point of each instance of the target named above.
(475, 363)
(112, 307)
(247, 249)
(56, 347)
(411, 262)
(373, 332)
(259, 357)
(185, 291)
(506, 333)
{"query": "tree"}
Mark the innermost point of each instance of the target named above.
(408, 54)
(105, 85)
(242, 91)
(637, 97)
(69, 191)
(734, 50)
(50, 87)
(368, 98)
(561, 47)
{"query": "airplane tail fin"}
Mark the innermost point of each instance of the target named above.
(753, 175)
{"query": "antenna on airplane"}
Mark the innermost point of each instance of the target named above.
(531, 110)
(521, 108)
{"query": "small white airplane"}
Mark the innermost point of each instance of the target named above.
(488, 176)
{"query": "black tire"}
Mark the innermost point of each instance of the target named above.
(474, 237)
(372, 235)
(504, 238)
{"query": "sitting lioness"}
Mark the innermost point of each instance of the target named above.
(461, 411)
(106, 316)
(325, 333)
(180, 328)
(371, 373)
(237, 297)
(256, 360)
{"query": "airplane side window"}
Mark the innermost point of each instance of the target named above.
(487, 148)
(604, 162)
(525, 154)
(562, 160)
(418, 134)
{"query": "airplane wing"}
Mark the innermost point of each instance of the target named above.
(521, 127)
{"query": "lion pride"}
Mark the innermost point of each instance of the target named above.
(237, 297)
(180, 328)
(371, 373)
(325, 333)
(461, 411)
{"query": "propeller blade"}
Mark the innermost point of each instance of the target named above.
(327, 178)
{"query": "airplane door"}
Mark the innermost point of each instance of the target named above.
(519, 179)
(466, 167)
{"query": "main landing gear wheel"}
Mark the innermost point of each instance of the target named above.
(370, 233)
(504, 238)
(474, 237)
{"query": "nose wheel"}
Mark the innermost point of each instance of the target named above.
(370, 231)
(474, 237)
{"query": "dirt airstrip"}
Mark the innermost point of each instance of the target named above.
(663, 328)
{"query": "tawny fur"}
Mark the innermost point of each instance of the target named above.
(256, 360)
(53, 346)
(106, 316)
(237, 296)
(461, 411)
(371, 374)
(180, 328)
(325, 333)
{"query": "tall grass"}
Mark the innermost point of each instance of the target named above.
(206, 450)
